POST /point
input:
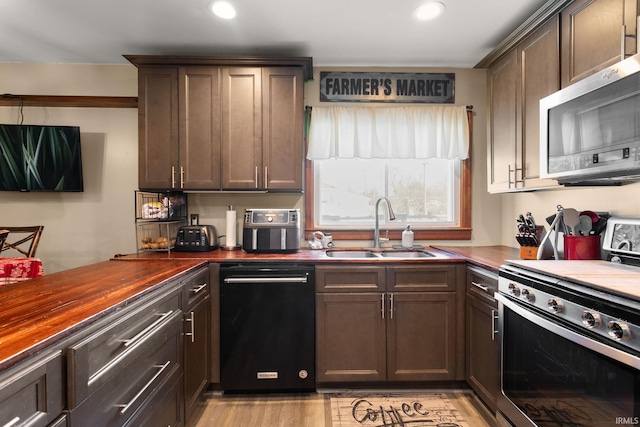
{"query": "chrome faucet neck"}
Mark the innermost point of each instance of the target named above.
(376, 230)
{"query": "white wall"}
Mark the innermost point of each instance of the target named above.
(80, 228)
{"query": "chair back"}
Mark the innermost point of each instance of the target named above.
(3, 236)
(23, 239)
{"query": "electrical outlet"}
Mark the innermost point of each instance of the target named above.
(195, 219)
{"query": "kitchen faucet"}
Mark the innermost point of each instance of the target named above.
(376, 231)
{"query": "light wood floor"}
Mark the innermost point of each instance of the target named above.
(307, 410)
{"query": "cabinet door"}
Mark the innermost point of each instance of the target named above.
(241, 128)
(196, 354)
(502, 122)
(350, 337)
(421, 335)
(282, 127)
(539, 67)
(158, 128)
(200, 133)
(482, 352)
(592, 36)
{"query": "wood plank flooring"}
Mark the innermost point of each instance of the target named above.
(308, 410)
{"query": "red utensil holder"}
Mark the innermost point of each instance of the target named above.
(582, 247)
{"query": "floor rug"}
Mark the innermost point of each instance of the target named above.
(394, 410)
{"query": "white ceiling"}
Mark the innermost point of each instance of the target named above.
(333, 32)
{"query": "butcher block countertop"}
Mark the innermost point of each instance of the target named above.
(37, 313)
(303, 255)
(488, 257)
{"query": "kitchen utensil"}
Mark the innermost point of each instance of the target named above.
(571, 219)
(585, 225)
(591, 214)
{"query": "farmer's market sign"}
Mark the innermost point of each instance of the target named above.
(435, 88)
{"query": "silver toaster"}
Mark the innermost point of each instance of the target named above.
(271, 230)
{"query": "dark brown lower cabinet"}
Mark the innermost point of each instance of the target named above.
(31, 392)
(351, 340)
(404, 334)
(482, 350)
(196, 354)
(421, 331)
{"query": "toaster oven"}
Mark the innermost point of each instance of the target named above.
(271, 230)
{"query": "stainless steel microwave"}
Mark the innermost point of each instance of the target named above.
(590, 131)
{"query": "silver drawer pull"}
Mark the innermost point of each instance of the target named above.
(161, 369)
(199, 288)
(481, 287)
(13, 422)
(146, 330)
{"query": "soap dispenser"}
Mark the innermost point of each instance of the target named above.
(407, 237)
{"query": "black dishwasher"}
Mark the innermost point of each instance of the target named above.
(267, 327)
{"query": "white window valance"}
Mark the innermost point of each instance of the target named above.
(413, 132)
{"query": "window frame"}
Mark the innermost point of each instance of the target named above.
(460, 232)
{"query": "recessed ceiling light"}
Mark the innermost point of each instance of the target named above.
(223, 9)
(428, 11)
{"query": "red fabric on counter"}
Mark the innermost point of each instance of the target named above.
(14, 270)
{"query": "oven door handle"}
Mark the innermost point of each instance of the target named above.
(598, 347)
(240, 280)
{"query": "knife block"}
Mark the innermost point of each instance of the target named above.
(531, 252)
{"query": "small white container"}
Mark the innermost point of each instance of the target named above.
(407, 237)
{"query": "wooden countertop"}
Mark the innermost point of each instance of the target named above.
(37, 313)
(488, 257)
(303, 255)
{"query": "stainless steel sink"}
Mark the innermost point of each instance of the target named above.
(407, 254)
(348, 253)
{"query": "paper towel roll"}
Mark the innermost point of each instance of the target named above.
(231, 228)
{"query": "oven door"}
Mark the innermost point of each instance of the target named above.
(554, 376)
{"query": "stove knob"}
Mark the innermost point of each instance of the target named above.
(591, 320)
(555, 306)
(619, 331)
(513, 289)
(528, 295)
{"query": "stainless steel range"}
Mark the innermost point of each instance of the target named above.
(569, 333)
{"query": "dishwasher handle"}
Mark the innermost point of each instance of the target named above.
(258, 279)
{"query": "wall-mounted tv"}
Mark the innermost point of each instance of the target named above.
(40, 158)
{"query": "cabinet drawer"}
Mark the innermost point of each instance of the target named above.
(131, 387)
(31, 393)
(482, 284)
(95, 360)
(165, 406)
(196, 287)
(346, 278)
(440, 278)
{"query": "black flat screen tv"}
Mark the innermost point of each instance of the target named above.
(40, 158)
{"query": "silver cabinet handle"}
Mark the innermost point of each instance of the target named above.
(181, 177)
(173, 177)
(199, 288)
(191, 334)
(494, 330)
(382, 310)
(266, 177)
(257, 177)
(146, 330)
(161, 369)
(13, 422)
(479, 286)
(391, 306)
